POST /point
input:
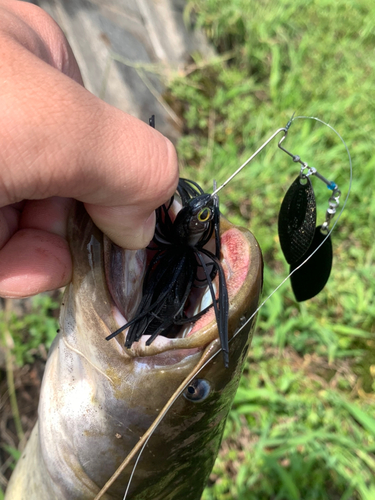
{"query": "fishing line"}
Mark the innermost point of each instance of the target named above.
(140, 446)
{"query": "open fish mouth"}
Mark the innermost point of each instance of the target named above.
(125, 269)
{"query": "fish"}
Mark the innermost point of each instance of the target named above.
(98, 397)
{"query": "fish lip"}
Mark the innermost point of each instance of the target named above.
(165, 356)
(165, 350)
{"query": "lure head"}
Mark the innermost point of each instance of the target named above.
(195, 221)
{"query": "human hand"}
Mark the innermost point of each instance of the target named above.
(58, 142)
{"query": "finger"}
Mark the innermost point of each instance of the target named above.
(34, 261)
(50, 215)
(143, 175)
(112, 160)
(125, 226)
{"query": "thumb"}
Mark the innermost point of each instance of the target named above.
(126, 226)
(141, 177)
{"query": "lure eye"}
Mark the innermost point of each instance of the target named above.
(197, 390)
(204, 215)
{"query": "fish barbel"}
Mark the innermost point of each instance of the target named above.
(98, 398)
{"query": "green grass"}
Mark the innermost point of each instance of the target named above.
(302, 423)
(32, 330)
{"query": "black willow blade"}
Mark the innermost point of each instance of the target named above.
(297, 220)
(310, 279)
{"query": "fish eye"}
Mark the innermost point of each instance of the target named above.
(197, 390)
(204, 215)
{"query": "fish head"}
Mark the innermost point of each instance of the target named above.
(99, 397)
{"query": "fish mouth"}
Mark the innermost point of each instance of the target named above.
(125, 269)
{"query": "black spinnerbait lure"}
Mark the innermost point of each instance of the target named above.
(180, 251)
(174, 269)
